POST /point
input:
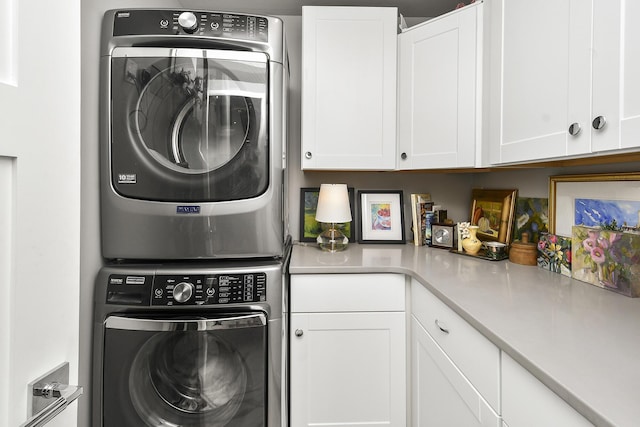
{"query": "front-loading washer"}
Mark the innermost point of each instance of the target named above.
(192, 135)
(189, 345)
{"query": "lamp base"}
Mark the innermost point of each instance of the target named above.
(332, 240)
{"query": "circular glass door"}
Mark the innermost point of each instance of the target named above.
(189, 124)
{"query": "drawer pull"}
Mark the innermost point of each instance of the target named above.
(443, 329)
(299, 332)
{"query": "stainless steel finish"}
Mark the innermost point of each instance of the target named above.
(166, 52)
(50, 395)
(574, 129)
(188, 21)
(138, 317)
(599, 122)
(183, 291)
(134, 324)
(307, 155)
(442, 328)
(299, 332)
(152, 229)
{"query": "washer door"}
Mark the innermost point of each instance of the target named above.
(185, 372)
(188, 124)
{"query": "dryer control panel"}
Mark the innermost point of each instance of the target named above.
(187, 289)
(141, 22)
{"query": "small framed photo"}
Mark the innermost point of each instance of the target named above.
(493, 211)
(309, 227)
(381, 214)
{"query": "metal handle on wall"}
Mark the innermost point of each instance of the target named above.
(50, 395)
(64, 398)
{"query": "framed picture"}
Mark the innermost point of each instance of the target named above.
(532, 216)
(493, 212)
(591, 200)
(309, 227)
(381, 214)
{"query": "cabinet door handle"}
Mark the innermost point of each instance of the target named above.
(599, 122)
(299, 332)
(442, 328)
(403, 156)
(574, 129)
(307, 155)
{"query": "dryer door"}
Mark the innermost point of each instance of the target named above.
(189, 125)
(185, 372)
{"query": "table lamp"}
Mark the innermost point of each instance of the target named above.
(333, 209)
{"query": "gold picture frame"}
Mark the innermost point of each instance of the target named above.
(493, 211)
(565, 189)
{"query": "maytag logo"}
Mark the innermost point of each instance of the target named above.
(188, 209)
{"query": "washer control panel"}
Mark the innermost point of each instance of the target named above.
(186, 289)
(139, 22)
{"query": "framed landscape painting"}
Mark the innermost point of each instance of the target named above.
(594, 200)
(309, 227)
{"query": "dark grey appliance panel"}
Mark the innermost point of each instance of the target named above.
(187, 371)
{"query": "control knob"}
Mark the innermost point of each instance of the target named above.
(182, 291)
(188, 21)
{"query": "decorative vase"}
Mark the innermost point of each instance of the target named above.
(471, 244)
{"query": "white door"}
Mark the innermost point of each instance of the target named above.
(437, 91)
(348, 369)
(39, 198)
(441, 395)
(349, 88)
(542, 73)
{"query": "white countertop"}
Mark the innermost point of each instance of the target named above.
(582, 341)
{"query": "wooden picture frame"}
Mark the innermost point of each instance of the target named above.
(493, 211)
(381, 216)
(565, 189)
(309, 227)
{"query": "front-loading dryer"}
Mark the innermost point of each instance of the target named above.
(193, 135)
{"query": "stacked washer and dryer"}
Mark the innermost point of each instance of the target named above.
(189, 308)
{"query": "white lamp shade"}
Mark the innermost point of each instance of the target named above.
(333, 204)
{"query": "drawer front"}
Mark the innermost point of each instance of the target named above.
(322, 293)
(529, 403)
(476, 357)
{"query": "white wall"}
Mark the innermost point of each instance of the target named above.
(452, 190)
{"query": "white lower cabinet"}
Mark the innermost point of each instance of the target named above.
(455, 370)
(348, 357)
(441, 395)
(526, 402)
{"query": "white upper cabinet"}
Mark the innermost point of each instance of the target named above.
(349, 88)
(439, 97)
(563, 79)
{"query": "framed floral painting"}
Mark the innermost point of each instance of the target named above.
(607, 258)
(381, 214)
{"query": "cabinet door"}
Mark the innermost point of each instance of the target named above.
(541, 82)
(526, 402)
(616, 67)
(349, 88)
(438, 100)
(441, 395)
(348, 369)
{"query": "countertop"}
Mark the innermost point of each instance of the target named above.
(582, 341)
